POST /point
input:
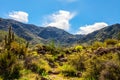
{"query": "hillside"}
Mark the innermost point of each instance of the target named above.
(18, 39)
(19, 61)
(37, 34)
(26, 31)
(110, 32)
(58, 35)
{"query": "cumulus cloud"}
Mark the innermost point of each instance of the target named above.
(59, 19)
(19, 16)
(91, 28)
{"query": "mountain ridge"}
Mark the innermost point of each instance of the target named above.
(109, 32)
(36, 34)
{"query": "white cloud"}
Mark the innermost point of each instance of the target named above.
(91, 28)
(19, 16)
(59, 19)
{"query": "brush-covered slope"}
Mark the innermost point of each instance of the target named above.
(37, 34)
(26, 31)
(58, 35)
(4, 33)
(110, 32)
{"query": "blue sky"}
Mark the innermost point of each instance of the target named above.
(74, 16)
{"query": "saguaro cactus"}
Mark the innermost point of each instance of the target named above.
(9, 38)
(27, 44)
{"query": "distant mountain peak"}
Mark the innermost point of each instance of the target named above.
(110, 32)
(117, 24)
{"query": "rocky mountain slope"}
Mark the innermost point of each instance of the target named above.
(36, 34)
(110, 32)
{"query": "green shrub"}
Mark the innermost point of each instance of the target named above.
(78, 48)
(68, 70)
(1, 78)
(111, 71)
(19, 50)
(111, 41)
(49, 57)
(105, 67)
(29, 75)
(93, 67)
(117, 45)
(36, 65)
(9, 67)
(77, 60)
(97, 44)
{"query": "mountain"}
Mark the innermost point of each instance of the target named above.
(36, 34)
(26, 31)
(109, 32)
(58, 35)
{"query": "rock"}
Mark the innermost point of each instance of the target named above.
(101, 51)
(54, 72)
(52, 65)
(78, 74)
(42, 78)
(63, 59)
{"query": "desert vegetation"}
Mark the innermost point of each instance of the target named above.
(19, 60)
